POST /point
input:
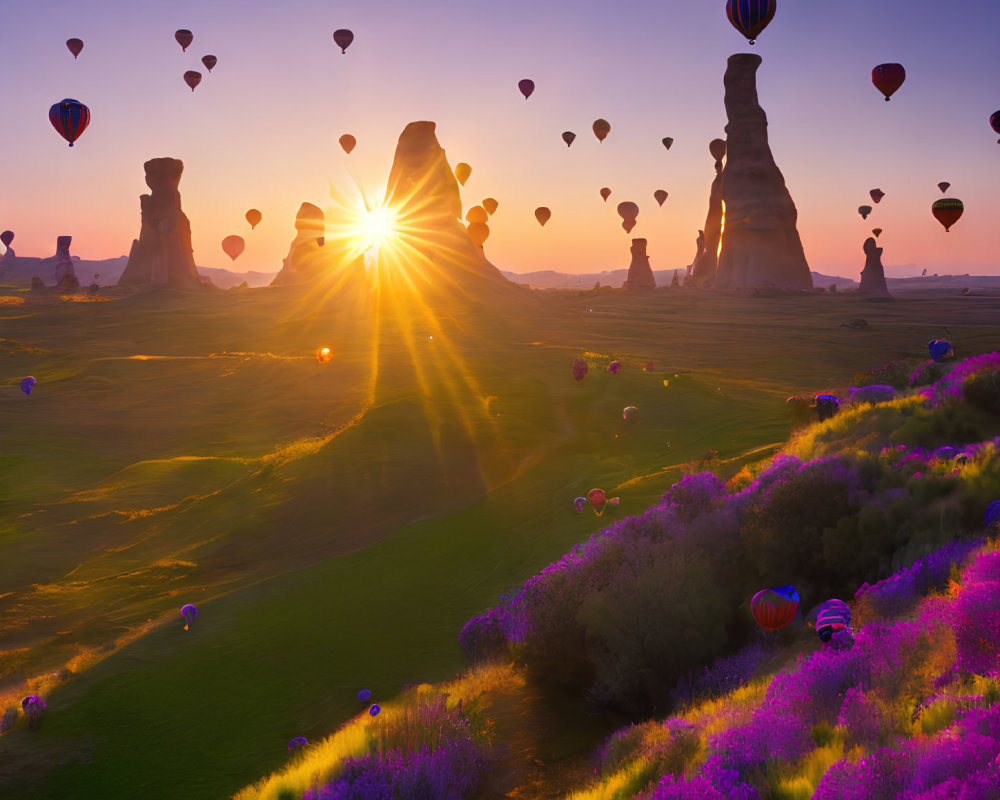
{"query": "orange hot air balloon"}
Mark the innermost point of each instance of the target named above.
(75, 46)
(348, 142)
(568, 137)
(477, 214)
(660, 196)
(490, 205)
(601, 129)
(343, 38)
(192, 78)
(888, 78)
(479, 232)
(254, 217)
(542, 214)
(324, 355)
(877, 195)
(233, 246)
(209, 62)
(462, 172)
(605, 194)
(717, 147)
(947, 211)
(184, 38)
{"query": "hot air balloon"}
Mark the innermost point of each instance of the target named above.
(526, 86)
(995, 123)
(364, 695)
(542, 214)
(27, 384)
(343, 38)
(579, 504)
(832, 616)
(490, 205)
(70, 118)
(192, 78)
(209, 62)
(629, 412)
(7, 237)
(628, 212)
(601, 129)
(717, 147)
(254, 217)
(667, 141)
(374, 709)
(579, 368)
(750, 17)
(324, 355)
(888, 78)
(462, 172)
(947, 211)
(826, 406)
(233, 245)
(600, 500)
(864, 211)
(876, 231)
(877, 195)
(614, 366)
(75, 46)
(992, 515)
(943, 186)
(184, 37)
(479, 232)
(940, 349)
(660, 196)
(348, 142)
(33, 706)
(476, 214)
(190, 614)
(298, 743)
(605, 194)
(773, 609)
(568, 137)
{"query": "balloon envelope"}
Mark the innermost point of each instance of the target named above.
(184, 37)
(479, 232)
(579, 504)
(660, 196)
(364, 695)
(324, 355)
(667, 141)
(374, 709)
(27, 384)
(189, 612)
(597, 498)
(628, 211)
(614, 366)
(579, 368)
(192, 78)
(254, 217)
(876, 231)
(527, 86)
(70, 118)
(888, 78)
(7, 237)
(943, 186)
(476, 214)
(995, 122)
(947, 211)
(939, 349)
(832, 616)
(750, 17)
(877, 195)
(233, 246)
(629, 412)
(601, 129)
(348, 142)
(542, 214)
(992, 515)
(75, 46)
(343, 38)
(462, 172)
(490, 205)
(605, 193)
(298, 742)
(209, 62)
(864, 211)
(774, 608)
(568, 137)
(717, 147)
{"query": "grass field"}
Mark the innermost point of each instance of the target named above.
(337, 524)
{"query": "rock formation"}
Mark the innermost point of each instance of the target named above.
(640, 273)
(676, 280)
(760, 243)
(873, 275)
(306, 261)
(706, 261)
(162, 255)
(64, 261)
(8, 258)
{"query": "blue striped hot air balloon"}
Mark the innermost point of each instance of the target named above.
(833, 616)
(750, 17)
(70, 118)
(775, 608)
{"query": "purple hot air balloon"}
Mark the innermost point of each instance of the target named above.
(75, 46)
(192, 78)
(579, 504)
(343, 38)
(184, 38)
(579, 368)
(297, 743)
(27, 384)
(614, 366)
(209, 62)
(7, 237)
(526, 86)
(190, 614)
(364, 695)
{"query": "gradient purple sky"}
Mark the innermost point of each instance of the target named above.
(261, 130)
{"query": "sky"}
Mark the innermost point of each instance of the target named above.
(261, 130)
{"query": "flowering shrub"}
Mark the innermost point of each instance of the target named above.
(895, 373)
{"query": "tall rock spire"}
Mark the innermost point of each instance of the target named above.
(760, 243)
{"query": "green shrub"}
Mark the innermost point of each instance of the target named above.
(983, 391)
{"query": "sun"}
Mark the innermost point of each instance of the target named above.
(377, 227)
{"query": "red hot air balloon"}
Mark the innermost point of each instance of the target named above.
(70, 118)
(864, 211)
(209, 62)
(995, 123)
(750, 17)
(75, 46)
(184, 38)
(877, 232)
(601, 129)
(526, 86)
(660, 196)
(254, 217)
(947, 211)
(888, 78)
(667, 141)
(343, 38)
(348, 142)
(717, 147)
(943, 186)
(605, 194)
(568, 137)
(877, 195)
(192, 78)
(775, 608)
(628, 212)
(233, 246)
(542, 214)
